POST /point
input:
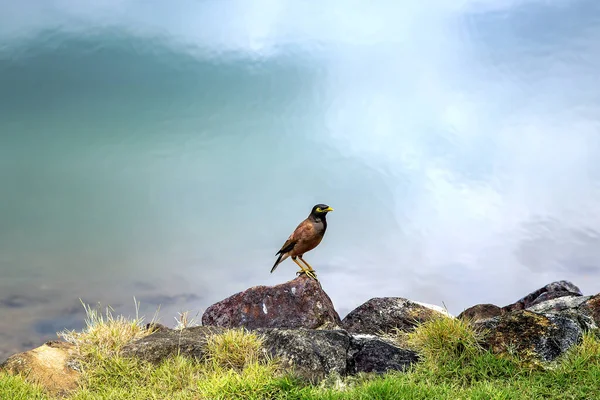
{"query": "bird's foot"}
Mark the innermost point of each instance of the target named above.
(310, 274)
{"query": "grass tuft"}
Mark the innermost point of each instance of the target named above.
(451, 351)
(105, 334)
(444, 340)
(16, 388)
(236, 348)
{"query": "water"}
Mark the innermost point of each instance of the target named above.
(167, 152)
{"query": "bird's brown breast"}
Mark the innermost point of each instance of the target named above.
(307, 235)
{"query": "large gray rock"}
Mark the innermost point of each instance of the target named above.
(299, 303)
(385, 314)
(550, 291)
(166, 343)
(531, 334)
(369, 353)
(311, 354)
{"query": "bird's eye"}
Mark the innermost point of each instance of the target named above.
(319, 209)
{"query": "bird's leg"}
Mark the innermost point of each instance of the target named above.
(302, 268)
(310, 272)
(307, 264)
(306, 271)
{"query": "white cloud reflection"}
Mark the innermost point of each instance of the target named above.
(486, 128)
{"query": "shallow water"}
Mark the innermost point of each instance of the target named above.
(166, 153)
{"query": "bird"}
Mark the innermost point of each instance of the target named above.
(307, 235)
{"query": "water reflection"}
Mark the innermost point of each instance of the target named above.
(166, 152)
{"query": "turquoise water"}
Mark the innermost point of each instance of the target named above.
(167, 152)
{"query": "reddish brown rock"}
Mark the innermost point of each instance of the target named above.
(550, 291)
(299, 303)
(481, 311)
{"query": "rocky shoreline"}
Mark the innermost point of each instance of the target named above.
(301, 327)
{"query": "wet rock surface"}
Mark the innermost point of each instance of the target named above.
(299, 303)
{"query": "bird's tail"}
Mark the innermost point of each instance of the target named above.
(279, 260)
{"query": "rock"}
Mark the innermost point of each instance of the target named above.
(480, 311)
(156, 327)
(559, 304)
(574, 307)
(531, 334)
(384, 314)
(166, 343)
(299, 303)
(546, 296)
(51, 365)
(310, 353)
(550, 291)
(591, 307)
(369, 353)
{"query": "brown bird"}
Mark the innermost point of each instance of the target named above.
(307, 236)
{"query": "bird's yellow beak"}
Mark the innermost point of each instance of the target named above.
(328, 209)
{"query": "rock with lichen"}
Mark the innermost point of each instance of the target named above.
(530, 334)
(299, 303)
(591, 308)
(388, 314)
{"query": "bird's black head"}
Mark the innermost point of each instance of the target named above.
(320, 210)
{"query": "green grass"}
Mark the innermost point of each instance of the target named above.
(15, 388)
(453, 366)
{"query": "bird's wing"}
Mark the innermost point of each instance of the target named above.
(288, 245)
(303, 230)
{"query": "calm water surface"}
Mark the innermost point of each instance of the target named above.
(166, 152)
